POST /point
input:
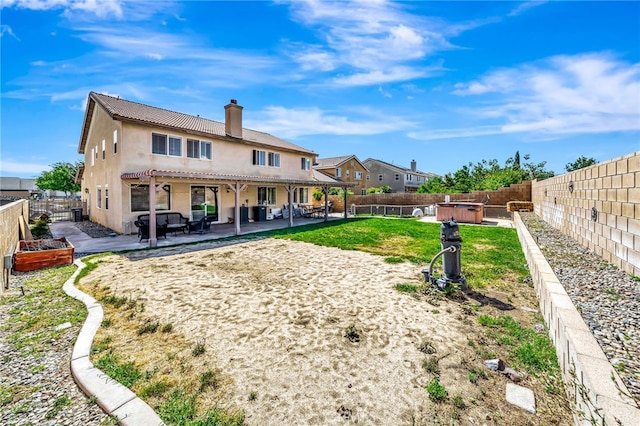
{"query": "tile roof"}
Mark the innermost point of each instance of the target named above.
(400, 168)
(322, 163)
(120, 109)
(317, 177)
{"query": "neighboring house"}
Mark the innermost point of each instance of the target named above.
(142, 159)
(346, 169)
(398, 178)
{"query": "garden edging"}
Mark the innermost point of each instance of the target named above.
(114, 398)
(600, 397)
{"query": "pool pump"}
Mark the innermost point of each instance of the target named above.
(451, 245)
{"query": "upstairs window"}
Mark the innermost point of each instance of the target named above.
(175, 146)
(198, 149)
(259, 157)
(104, 149)
(368, 176)
(158, 144)
(397, 176)
(274, 159)
(379, 178)
(338, 172)
(115, 141)
(305, 163)
(357, 175)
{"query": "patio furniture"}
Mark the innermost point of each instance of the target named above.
(203, 225)
(175, 221)
(143, 230)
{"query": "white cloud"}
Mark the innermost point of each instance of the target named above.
(19, 168)
(295, 122)
(524, 6)
(364, 39)
(579, 94)
(6, 29)
(100, 8)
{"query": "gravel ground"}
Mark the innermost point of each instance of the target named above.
(607, 297)
(92, 229)
(48, 395)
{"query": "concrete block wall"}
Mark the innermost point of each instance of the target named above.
(10, 235)
(593, 385)
(598, 206)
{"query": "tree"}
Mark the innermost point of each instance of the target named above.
(580, 163)
(61, 177)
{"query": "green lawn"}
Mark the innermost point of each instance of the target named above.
(489, 254)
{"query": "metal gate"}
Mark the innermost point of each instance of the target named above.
(56, 208)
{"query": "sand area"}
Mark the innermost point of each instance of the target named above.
(274, 315)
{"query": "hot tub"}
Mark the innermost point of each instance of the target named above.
(462, 212)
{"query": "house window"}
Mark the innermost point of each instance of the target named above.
(259, 157)
(198, 149)
(305, 163)
(408, 178)
(93, 161)
(266, 195)
(140, 198)
(106, 197)
(104, 147)
(158, 144)
(301, 195)
(357, 175)
(368, 176)
(363, 191)
(274, 159)
(338, 172)
(379, 178)
(397, 176)
(175, 146)
(99, 197)
(115, 141)
(347, 173)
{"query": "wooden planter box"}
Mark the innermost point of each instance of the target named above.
(39, 254)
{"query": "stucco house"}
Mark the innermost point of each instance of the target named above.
(346, 168)
(141, 159)
(398, 178)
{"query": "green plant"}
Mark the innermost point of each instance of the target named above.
(426, 346)
(40, 228)
(475, 374)
(167, 328)
(58, 405)
(431, 365)
(406, 288)
(198, 348)
(436, 391)
(458, 402)
(124, 372)
(155, 389)
(114, 300)
(209, 379)
(352, 334)
(148, 327)
(253, 396)
(106, 322)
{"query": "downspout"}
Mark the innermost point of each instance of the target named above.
(344, 188)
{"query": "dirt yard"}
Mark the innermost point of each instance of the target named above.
(320, 336)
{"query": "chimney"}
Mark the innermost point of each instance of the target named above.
(413, 165)
(233, 119)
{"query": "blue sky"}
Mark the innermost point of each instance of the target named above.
(444, 83)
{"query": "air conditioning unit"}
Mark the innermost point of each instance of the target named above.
(127, 227)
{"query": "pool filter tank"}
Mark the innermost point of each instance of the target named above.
(451, 245)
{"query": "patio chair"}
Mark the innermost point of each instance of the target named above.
(143, 230)
(203, 225)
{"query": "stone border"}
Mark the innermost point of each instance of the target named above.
(599, 395)
(114, 398)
